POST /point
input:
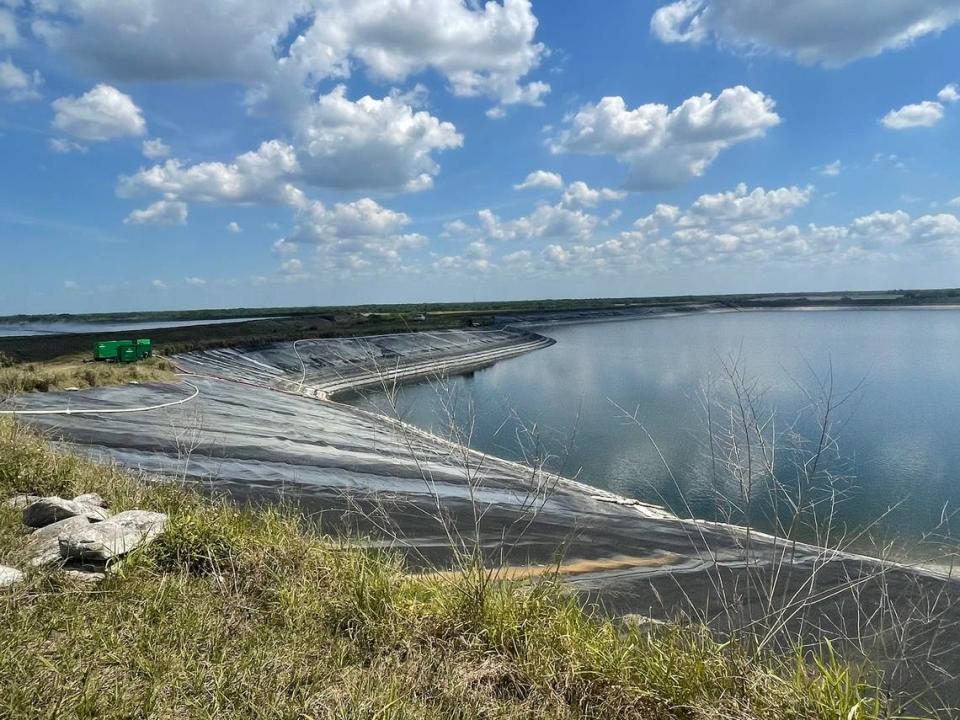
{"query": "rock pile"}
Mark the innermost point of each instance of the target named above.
(81, 536)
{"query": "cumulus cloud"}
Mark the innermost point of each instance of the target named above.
(159, 285)
(541, 179)
(746, 206)
(578, 195)
(380, 144)
(359, 236)
(546, 221)
(949, 94)
(162, 212)
(104, 113)
(662, 147)
(480, 48)
(256, 177)
(195, 281)
(17, 85)
(575, 195)
(155, 149)
(924, 114)
(744, 226)
(370, 143)
(749, 226)
(824, 32)
(234, 227)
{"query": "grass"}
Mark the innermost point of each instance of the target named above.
(73, 372)
(237, 613)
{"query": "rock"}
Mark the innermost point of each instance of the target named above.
(86, 576)
(21, 501)
(106, 540)
(43, 546)
(9, 576)
(49, 510)
(90, 499)
(85, 571)
(634, 620)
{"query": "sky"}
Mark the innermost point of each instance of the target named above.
(167, 154)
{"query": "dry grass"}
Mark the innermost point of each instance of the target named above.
(241, 614)
(73, 372)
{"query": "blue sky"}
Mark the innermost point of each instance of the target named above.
(169, 154)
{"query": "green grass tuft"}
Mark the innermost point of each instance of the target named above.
(45, 377)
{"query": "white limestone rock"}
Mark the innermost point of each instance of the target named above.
(21, 501)
(91, 499)
(9, 576)
(118, 536)
(43, 546)
(49, 510)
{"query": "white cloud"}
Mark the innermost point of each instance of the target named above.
(159, 285)
(257, 177)
(233, 226)
(143, 40)
(575, 195)
(70, 285)
(546, 221)
(949, 94)
(62, 146)
(104, 113)
(893, 229)
(746, 226)
(293, 266)
(925, 114)
(480, 48)
(16, 85)
(541, 179)
(155, 149)
(9, 36)
(162, 212)
(955, 202)
(746, 206)
(831, 169)
(356, 236)
(195, 281)
(370, 143)
(662, 147)
(578, 195)
(826, 32)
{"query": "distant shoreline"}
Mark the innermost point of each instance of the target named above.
(246, 327)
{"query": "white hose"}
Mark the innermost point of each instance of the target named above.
(105, 411)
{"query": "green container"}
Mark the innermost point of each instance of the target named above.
(123, 350)
(106, 350)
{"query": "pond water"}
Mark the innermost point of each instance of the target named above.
(59, 328)
(894, 467)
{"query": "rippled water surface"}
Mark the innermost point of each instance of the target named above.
(898, 432)
(58, 328)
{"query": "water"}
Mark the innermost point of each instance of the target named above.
(59, 328)
(897, 456)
